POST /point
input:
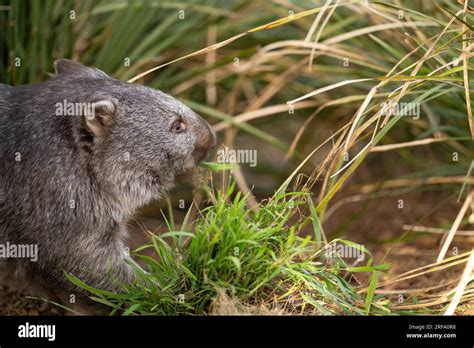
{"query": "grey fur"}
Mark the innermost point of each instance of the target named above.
(77, 183)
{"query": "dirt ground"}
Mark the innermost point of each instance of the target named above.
(379, 225)
(14, 301)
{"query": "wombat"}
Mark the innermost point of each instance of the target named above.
(80, 153)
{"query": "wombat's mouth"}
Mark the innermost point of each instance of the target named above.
(188, 170)
(190, 167)
(186, 174)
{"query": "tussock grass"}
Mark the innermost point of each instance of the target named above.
(255, 257)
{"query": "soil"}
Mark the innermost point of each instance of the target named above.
(14, 300)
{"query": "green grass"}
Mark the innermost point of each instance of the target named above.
(255, 257)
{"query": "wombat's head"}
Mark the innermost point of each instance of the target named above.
(135, 136)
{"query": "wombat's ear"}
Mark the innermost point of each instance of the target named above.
(70, 67)
(101, 116)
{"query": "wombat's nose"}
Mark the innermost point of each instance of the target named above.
(206, 140)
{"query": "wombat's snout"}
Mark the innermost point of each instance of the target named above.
(206, 141)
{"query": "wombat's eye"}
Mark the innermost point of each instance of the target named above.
(178, 127)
